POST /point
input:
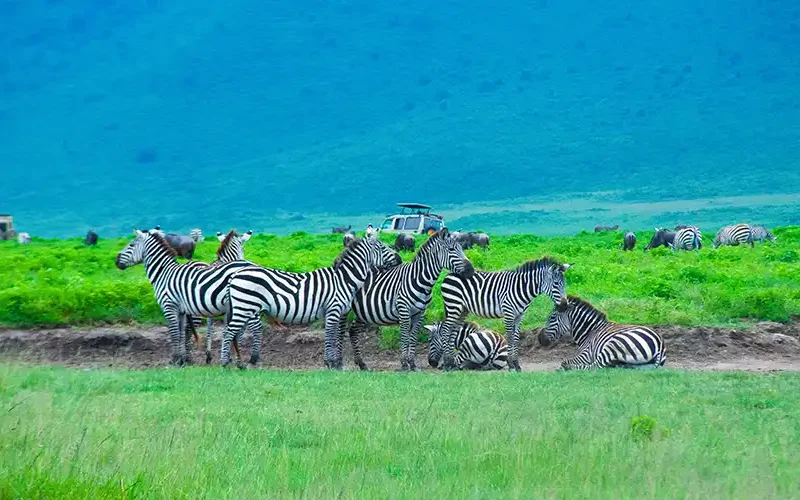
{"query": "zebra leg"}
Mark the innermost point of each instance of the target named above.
(256, 328)
(232, 330)
(512, 332)
(190, 334)
(209, 333)
(449, 332)
(333, 340)
(175, 333)
(411, 356)
(355, 331)
(406, 340)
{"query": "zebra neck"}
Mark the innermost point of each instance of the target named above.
(582, 331)
(426, 269)
(156, 262)
(354, 274)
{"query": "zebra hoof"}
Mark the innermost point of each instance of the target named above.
(363, 367)
(209, 358)
(254, 359)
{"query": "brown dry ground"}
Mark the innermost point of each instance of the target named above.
(763, 347)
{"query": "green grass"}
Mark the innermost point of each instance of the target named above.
(208, 433)
(63, 282)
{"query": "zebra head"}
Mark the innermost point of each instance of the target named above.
(434, 344)
(448, 253)
(558, 325)
(133, 253)
(574, 320)
(546, 276)
(230, 248)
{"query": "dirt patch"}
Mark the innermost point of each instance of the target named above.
(764, 347)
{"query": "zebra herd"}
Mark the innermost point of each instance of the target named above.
(691, 238)
(369, 279)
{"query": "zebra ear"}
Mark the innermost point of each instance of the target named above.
(430, 328)
(564, 267)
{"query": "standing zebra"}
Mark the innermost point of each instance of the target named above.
(738, 234)
(476, 349)
(197, 235)
(401, 295)
(601, 343)
(761, 234)
(181, 290)
(503, 294)
(300, 298)
(688, 238)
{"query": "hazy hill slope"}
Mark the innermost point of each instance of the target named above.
(120, 113)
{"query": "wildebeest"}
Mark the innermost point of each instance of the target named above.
(340, 230)
(91, 238)
(761, 234)
(662, 237)
(470, 239)
(23, 238)
(404, 242)
(629, 241)
(348, 238)
(601, 229)
(183, 245)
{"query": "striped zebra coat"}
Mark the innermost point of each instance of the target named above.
(301, 298)
(181, 290)
(401, 295)
(476, 349)
(503, 294)
(688, 238)
(601, 343)
(197, 235)
(761, 234)
(739, 234)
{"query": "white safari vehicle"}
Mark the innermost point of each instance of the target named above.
(414, 218)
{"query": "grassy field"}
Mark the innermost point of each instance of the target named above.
(63, 282)
(208, 433)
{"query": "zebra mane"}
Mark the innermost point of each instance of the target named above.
(533, 265)
(225, 242)
(583, 304)
(164, 244)
(347, 251)
(438, 235)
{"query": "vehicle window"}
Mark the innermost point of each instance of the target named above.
(398, 223)
(412, 222)
(386, 224)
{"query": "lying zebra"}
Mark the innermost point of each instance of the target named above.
(601, 343)
(476, 349)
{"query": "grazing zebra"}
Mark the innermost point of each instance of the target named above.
(503, 294)
(601, 343)
(761, 234)
(629, 241)
(738, 234)
(181, 290)
(401, 295)
(300, 298)
(688, 238)
(197, 235)
(476, 349)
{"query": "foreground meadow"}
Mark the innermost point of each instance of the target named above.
(63, 282)
(210, 433)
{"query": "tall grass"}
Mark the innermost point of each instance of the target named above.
(63, 282)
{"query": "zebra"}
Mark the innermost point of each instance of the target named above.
(688, 238)
(158, 231)
(629, 241)
(181, 290)
(401, 295)
(601, 343)
(738, 234)
(502, 294)
(197, 235)
(761, 234)
(300, 298)
(476, 349)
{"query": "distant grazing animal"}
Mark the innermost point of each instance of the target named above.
(23, 238)
(348, 238)
(629, 241)
(601, 343)
(476, 349)
(400, 296)
(183, 245)
(602, 229)
(340, 230)
(661, 238)
(480, 240)
(470, 239)
(464, 239)
(404, 242)
(197, 235)
(738, 234)
(182, 290)
(301, 298)
(761, 234)
(91, 238)
(688, 238)
(502, 294)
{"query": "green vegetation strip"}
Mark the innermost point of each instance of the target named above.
(209, 433)
(63, 282)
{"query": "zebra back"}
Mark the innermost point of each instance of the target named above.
(737, 234)
(688, 238)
